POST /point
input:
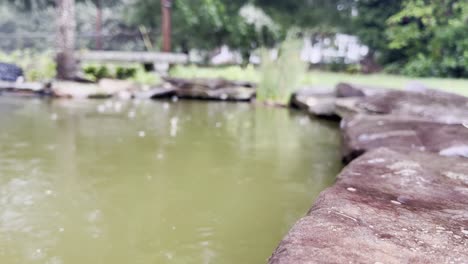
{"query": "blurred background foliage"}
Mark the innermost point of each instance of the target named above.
(411, 37)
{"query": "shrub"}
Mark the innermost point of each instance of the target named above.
(232, 72)
(136, 73)
(36, 66)
(97, 72)
(421, 66)
(125, 72)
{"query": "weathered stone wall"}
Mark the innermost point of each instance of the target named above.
(404, 196)
(201, 89)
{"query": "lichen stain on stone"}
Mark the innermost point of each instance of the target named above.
(404, 164)
(457, 176)
(373, 161)
(395, 133)
(406, 172)
(461, 151)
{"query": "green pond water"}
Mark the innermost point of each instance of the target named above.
(120, 182)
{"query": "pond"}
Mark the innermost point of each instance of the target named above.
(155, 182)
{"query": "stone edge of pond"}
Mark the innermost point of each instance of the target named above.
(199, 89)
(404, 196)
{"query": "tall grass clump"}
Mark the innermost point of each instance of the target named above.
(280, 76)
(134, 72)
(232, 72)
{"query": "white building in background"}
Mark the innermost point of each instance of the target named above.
(340, 47)
(326, 49)
(226, 56)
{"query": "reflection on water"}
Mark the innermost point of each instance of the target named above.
(155, 182)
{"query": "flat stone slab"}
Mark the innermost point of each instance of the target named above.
(319, 101)
(212, 89)
(159, 92)
(23, 88)
(386, 207)
(325, 101)
(105, 88)
(362, 133)
(429, 104)
(358, 90)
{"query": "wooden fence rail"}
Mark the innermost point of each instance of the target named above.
(137, 57)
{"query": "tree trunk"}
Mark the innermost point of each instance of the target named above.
(66, 26)
(98, 25)
(166, 24)
(369, 64)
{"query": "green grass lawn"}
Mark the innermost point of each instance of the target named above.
(459, 86)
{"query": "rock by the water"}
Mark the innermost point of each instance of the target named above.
(206, 83)
(430, 105)
(404, 203)
(69, 89)
(10, 72)
(362, 133)
(106, 88)
(158, 92)
(329, 102)
(112, 86)
(387, 207)
(355, 90)
(23, 89)
(318, 101)
(212, 89)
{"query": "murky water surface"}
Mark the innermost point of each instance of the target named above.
(155, 182)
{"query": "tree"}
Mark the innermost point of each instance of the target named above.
(369, 24)
(205, 24)
(98, 36)
(166, 6)
(66, 63)
(309, 14)
(432, 36)
(29, 5)
(100, 4)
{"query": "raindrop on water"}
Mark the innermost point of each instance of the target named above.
(117, 107)
(174, 122)
(136, 102)
(303, 121)
(108, 104)
(54, 260)
(101, 108)
(37, 254)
